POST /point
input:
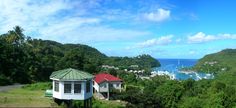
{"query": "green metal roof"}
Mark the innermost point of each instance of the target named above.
(70, 74)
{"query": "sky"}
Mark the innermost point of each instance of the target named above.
(162, 28)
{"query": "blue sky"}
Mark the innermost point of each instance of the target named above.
(161, 28)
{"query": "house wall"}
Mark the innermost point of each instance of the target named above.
(89, 94)
(96, 86)
(55, 93)
(116, 84)
(74, 96)
(103, 87)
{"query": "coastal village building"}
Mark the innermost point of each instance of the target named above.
(105, 83)
(71, 84)
(109, 67)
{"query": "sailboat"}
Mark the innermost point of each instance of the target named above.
(178, 64)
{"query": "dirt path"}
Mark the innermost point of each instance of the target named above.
(9, 87)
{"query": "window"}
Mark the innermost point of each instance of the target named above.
(88, 86)
(117, 85)
(56, 86)
(67, 87)
(111, 85)
(105, 85)
(77, 88)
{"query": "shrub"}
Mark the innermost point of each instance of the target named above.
(38, 86)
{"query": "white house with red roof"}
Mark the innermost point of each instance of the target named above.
(104, 83)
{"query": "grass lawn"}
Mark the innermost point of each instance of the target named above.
(21, 97)
(25, 98)
(32, 95)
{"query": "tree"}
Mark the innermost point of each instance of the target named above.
(112, 72)
(14, 56)
(72, 59)
(170, 93)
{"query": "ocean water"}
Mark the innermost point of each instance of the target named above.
(171, 67)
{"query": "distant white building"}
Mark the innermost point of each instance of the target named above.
(134, 66)
(211, 63)
(104, 83)
(109, 67)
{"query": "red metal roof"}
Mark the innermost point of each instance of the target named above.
(99, 78)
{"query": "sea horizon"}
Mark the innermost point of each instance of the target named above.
(179, 58)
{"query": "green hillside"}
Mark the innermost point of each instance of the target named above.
(26, 60)
(222, 61)
(143, 61)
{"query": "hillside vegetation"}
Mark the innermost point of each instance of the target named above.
(26, 60)
(161, 92)
(30, 60)
(222, 61)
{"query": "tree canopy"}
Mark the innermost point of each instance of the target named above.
(26, 60)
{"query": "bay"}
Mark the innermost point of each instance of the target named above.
(171, 67)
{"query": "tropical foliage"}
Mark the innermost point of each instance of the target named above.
(222, 61)
(160, 92)
(26, 60)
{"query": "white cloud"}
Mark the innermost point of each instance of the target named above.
(29, 14)
(227, 36)
(201, 37)
(192, 52)
(164, 40)
(193, 16)
(59, 20)
(90, 34)
(178, 40)
(158, 16)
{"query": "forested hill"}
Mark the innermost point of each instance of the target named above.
(26, 60)
(224, 60)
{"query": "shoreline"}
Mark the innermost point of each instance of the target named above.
(187, 72)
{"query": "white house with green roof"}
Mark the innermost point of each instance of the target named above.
(72, 84)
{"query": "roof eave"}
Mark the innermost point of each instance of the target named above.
(108, 81)
(71, 79)
(55, 79)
